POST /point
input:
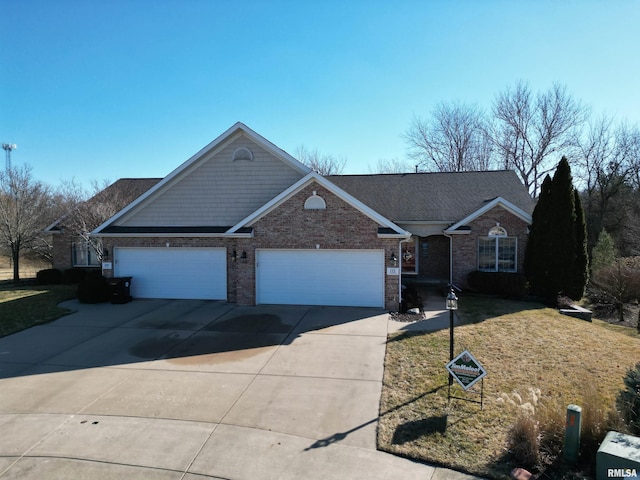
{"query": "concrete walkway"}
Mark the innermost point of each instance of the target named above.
(161, 389)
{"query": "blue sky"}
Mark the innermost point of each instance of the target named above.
(96, 90)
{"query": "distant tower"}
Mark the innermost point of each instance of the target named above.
(8, 147)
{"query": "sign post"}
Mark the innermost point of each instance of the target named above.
(467, 371)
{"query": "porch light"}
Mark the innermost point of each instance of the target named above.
(243, 257)
(234, 255)
(452, 301)
(394, 259)
(105, 254)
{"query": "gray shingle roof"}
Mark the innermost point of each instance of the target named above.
(446, 196)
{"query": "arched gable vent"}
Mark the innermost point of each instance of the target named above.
(497, 231)
(315, 202)
(242, 153)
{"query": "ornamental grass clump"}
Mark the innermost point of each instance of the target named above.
(535, 438)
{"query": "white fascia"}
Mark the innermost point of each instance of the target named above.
(337, 191)
(510, 207)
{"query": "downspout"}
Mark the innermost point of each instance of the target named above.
(444, 232)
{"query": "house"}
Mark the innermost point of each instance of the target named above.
(71, 246)
(245, 222)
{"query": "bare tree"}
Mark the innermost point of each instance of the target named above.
(24, 211)
(392, 165)
(531, 133)
(609, 156)
(453, 139)
(86, 210)
(324, 164)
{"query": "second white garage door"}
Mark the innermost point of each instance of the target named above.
(197, 273)
(320, 277)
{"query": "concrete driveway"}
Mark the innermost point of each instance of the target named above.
(160, 389)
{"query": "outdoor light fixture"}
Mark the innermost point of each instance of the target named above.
(243, 257)
(393, 259)
(105, 253)
(452, 301)
(234, 255)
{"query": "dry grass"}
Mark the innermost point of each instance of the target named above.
(28, 268)
(522, 346)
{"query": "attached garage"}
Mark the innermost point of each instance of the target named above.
(196, 273)
(320, 277)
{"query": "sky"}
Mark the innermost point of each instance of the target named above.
(99, 90)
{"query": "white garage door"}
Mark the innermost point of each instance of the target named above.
(198, 273)
(320, 277)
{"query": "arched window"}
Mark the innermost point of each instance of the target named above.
(497, 231)
(497, 252)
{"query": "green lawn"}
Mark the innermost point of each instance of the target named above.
(525, 348)
(24, 306)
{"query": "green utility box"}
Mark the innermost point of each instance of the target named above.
(618, 457)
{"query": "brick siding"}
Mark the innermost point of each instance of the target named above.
(465, 247)
(339, 226)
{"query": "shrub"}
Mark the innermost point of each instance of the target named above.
(74, 275)
(628, 400)
(497, 283)
(49, 276)
(617, 284)
(93, 289)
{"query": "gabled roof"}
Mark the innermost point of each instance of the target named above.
(459, 227)
(389, 226)
(445, 197)
(197, 159)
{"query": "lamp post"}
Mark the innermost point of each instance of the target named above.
(452, 304)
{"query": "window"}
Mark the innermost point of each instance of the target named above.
(497, 252)
(84, 254)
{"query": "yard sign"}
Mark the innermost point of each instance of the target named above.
(466, 369)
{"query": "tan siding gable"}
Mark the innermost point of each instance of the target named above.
(217, 190)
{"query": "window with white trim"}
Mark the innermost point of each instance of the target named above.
(497, 252)
(83, 254)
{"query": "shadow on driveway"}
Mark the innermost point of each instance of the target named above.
(179, 331)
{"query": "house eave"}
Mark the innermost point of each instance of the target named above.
(394, 235)
(499, 201)
(226, 137)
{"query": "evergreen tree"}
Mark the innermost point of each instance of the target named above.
(580, 275)
(538, 249)
(556, 258)
(604, 253)
(563, 229)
